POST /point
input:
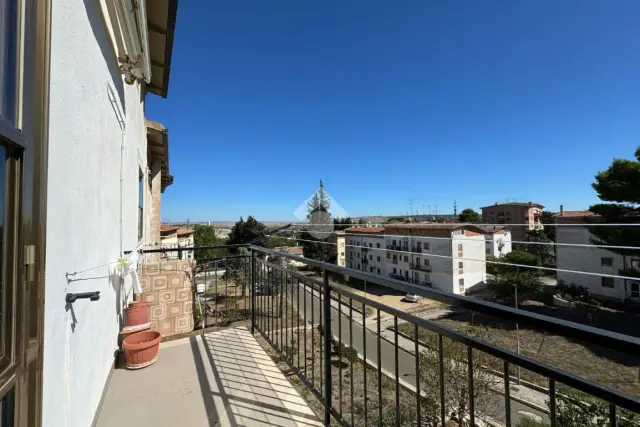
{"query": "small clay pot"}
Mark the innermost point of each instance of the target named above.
(141, 349)
(137, 313)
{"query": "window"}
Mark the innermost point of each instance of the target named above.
(378, 271)
(341, 253)
(427, 278)
(378, 245)
(426, 261)
(358, 266)
(358, 254)
(140, 204)
(378, 259)
(406, 258)
(461, 285)
(606, 262)
(607, 282)
(460, 249)
(388, 255)
(394, 243)
(426, 246)
(370, 245)
(370, 257)
(371, 269)
(395, 271)
(460, 268)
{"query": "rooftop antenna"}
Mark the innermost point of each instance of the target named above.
(455, 208)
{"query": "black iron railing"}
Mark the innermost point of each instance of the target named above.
(365, 373)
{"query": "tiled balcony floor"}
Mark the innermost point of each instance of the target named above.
(222, 379)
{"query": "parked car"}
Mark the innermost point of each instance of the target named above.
(412, 297)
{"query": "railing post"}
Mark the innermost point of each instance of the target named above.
(252, 278)
(328, 337)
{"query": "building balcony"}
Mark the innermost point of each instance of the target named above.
(271, 365)
(421, 267)
(416, 250)
(394, 247)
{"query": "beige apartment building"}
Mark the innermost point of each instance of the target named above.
(515, 214)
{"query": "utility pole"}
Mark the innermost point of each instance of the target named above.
(455, 208)
(515, 288)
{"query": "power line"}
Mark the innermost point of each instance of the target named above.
(455, 224)
(562, 270)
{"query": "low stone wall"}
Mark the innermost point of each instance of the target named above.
(167, 287)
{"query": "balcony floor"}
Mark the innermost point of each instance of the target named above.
(222, 379)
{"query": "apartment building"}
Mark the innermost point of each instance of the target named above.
(515, 214)
(592, 259)
(497, 240)
(449, 257)
(175, 236)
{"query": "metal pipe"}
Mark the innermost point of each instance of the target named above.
(327, 348)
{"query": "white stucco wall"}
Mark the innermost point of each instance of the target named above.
(581, 258)
(474, 272)
(492, 244)
(83, 209)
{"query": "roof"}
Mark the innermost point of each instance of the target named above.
(365, 230)
(430, 229)
(293, 250)
(164, 227)
(575, 214)
(161, 24)
(493, 228)
(158, 148)
(171, 229)
(525, 204)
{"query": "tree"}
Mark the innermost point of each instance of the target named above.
(543, 251)
(506, 276)
(620, 185)
(317, 243)
(470, 216)
(576, 409)
(457, 380)
(342, 223)
(205, 235)
(249, 231)
(546, 218)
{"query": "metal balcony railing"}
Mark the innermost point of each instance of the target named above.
(394, 247)
(421, 267)
(322, 332)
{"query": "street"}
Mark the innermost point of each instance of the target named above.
(406, 360)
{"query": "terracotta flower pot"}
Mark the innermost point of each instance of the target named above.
(137, 313)
(141, 348)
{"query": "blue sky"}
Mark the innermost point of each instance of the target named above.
(388, 102)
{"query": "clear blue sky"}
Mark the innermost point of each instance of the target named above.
(388, 101)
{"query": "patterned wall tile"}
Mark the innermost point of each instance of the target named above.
(166, 327)
(145, 283)
(158, 283)
(184, 295)
(176, 281)
(168, 266)
(183, 323)
(187, 307)
(175, 309)
(158, 312)
(167, 297)
(151, 298)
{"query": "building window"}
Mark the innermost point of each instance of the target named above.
(370, 257)
(378, 271)
(607, 282)
(378, 259)
(393, 243)
(341, 253)
(378, 245)
(370, 245)
(371, 269)
(427, 278)
(394, 271)
(140, 204)
(460, 268)
(388, 255)
(426, 261)
(406, 258)
(426, 246)
(460, 249)
(461, 285)
(606, 262)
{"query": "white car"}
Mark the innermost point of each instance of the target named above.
(412, 298)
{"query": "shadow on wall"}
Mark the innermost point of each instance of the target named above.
(117, 283)
(99, 28)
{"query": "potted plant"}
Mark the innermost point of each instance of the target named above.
(141, 349)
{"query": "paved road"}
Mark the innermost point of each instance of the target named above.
(406, 360)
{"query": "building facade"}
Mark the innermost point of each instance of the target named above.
(497, 240)
(79, 173)
(174, 237)
(522, 217)
(449, 257)
(592, 259)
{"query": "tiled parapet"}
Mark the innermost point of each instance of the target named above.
(168, 288)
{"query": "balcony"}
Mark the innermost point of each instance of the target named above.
(416, 250)
(421, 267)
(394, 247)
(227, 377)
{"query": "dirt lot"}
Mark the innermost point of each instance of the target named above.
(617, 370)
